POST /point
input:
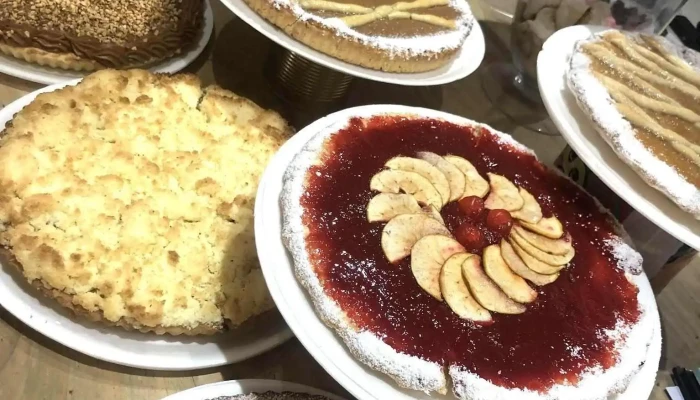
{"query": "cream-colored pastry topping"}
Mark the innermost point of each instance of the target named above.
(655, 91)
(400, 10)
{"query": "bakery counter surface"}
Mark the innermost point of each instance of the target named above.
(34, 367)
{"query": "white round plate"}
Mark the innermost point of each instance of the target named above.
(49, 76)
(246, 386)
(291, 299)
(116, 345)
(466, 61)
(577, 129)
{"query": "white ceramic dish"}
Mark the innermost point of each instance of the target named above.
(291, 299)
(576, 128)
(49, 76)
(116, 345)
(245, 386)
(467, 60)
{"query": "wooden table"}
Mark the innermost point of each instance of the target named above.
(34, 367)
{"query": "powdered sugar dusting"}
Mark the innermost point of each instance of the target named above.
(627, 258)
(595, 100)
(403, 47)
(630, 342)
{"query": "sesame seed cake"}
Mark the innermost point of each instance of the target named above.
(95, 34)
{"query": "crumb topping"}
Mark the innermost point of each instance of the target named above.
(133, 193)
(109, 21)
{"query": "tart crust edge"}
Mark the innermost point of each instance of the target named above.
(348, 49)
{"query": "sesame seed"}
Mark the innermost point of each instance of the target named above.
(109, 21)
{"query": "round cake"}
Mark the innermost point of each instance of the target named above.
(130, 200)
(642, 94)
(446, 256)
(94, 34)
(385, 35)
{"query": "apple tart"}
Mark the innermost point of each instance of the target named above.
(642, 94)
(387, 35)
(442, 251)
(130, 200)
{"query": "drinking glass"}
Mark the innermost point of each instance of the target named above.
(513, 88)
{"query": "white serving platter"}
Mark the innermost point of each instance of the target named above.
(246, 386)
(465, 62)
(576, 128)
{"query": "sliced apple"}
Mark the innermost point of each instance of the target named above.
(386, 206)
(433, 213)
(403, 231)
(504, 194)
(475, 185)
(512, 285)
(516, 264)
(455, 177)
(393, 181)
(551, 259)
(549, 227)
(531, 211)
(454, 290)
(553, 246)
(533, 263)
(485, 291)
(424, 169)
(427, 258)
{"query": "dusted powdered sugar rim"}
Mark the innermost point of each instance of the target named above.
(408, 371)
(596, 102)
(415, 373)
(403, 47)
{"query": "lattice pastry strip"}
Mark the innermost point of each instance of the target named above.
(365, 15)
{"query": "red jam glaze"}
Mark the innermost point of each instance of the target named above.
(532, 350)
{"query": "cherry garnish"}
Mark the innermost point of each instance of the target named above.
(472, 207)
(470, 237)
(499, 221)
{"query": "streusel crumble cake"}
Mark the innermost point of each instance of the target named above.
(129, 198)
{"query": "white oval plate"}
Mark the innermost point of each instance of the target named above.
(466, 61)
(246, 386)
(49, 76)
(116, 345)
(323, 344)
(577, 129)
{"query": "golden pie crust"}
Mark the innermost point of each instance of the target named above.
(68, 61)
(131, 202)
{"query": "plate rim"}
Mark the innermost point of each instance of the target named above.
(17, 307)
(36, 73)
(579, 141)
(270, 260)
(255, 385)
(473, 45)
